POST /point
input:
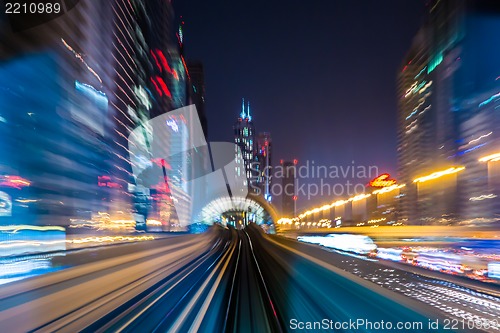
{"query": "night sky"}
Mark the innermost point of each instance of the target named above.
(320, 75)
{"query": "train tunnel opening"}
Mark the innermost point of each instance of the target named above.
(238, 212)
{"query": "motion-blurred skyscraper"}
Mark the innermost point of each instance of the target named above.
(152, 78)
(55, 77)
(449, 87)
(72, 90)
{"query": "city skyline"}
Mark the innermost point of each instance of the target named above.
(330, 98)
(359, 190)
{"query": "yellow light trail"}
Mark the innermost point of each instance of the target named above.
(359, 197)
(438, 174)
(377, 220)
(110, 239)
(492, 157)
(338, 203)
(333, 204)
(153, 222)
(388, 189)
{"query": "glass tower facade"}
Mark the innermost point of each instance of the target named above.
(447, 96)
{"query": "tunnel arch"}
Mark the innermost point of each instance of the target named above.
(265, 213)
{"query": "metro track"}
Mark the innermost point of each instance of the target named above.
(226, 281)
(250, 307)
(167, 305)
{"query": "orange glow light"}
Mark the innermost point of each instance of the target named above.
(384, 180)
(439, 174)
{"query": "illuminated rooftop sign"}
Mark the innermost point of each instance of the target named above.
(384, 180)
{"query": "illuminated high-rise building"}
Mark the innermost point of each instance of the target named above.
(246, 156)
(448, 90)
(415, 121)
(55, 78)
(99, 71)
(153, 78)
(143, 32)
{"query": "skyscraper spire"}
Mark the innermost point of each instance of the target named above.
(248, 112)
(242, 115)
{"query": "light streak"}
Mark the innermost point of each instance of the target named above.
(78, 56)
(16, 228)
(489, 100)
(438, 174)
(388, 189)
(493, 158)
(481, 137)
(423, 69)
(483, 197)
(377, 220)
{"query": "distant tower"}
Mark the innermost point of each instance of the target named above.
(288, 186)
(244, 138)
(264, 153)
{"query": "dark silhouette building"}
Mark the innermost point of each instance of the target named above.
(288, 188)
